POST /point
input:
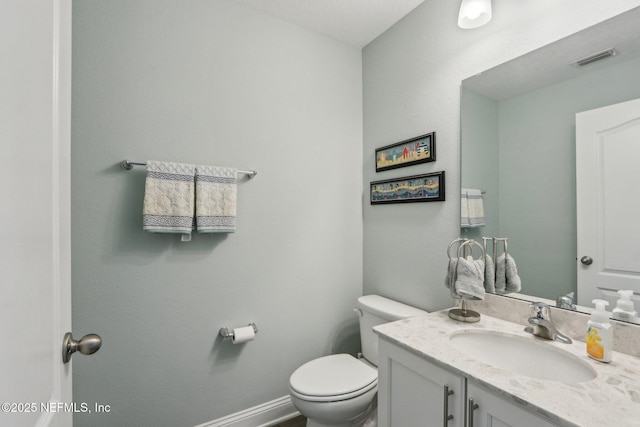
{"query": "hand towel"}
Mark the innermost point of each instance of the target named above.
(464, 209)
(501, 274)
(489, 275)
(513, 282)
(450, 278)
(475, 208)
(216, 199)
(470, 278)
(507, 279)
(168, 198)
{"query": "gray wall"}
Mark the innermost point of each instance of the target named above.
(412, 76)
(480, 132)
(207, 81)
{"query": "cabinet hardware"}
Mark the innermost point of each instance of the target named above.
(472, 407)
(447, 393)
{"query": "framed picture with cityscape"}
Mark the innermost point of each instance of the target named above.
(417, 188)
(420, 149)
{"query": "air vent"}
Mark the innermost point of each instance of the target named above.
(607, 53)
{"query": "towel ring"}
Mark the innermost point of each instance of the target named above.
(453, 243)
(484, 243)
(504, 240)
(470, 243)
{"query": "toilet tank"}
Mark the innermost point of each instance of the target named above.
(376, 310)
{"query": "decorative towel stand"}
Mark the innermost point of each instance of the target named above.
(463, 314)
(495, 241)
(128, 165)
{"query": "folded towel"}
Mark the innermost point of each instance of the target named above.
(489, 275)
(501, 274)
(514, 283)
(450, 278)
(507, 279)
(470, 278)
(476, 208)
(464, 209)
(168, 198)
(216, 199)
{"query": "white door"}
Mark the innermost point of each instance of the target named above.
(608, 202)
(35, 285)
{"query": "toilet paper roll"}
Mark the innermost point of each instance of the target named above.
(244, 334)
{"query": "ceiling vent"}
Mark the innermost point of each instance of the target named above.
(607, 53)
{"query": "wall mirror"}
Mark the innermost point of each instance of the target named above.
(518, 145)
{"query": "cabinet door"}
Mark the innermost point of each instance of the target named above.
(411, 391)
(494, 411)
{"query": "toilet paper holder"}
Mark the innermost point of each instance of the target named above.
(225, 333)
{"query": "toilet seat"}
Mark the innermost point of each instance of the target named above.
(332, 378)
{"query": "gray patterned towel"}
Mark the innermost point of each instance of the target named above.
(168, 198)
(216, 199)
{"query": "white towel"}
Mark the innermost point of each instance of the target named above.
(507, 279)
(501, 274)
(216, 199)
(470, 278)
(489, 275)
(476, 208)
(450, 278)
(464, 209)
(514, 284)
(168, 198)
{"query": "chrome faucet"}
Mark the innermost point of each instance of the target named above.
(566, 301)
(543, 327)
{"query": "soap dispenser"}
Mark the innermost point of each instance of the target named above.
(599, 333)
(624, 308)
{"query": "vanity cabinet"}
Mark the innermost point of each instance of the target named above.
(494, 411)
(414, 392)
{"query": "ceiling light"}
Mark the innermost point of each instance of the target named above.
(474, 13)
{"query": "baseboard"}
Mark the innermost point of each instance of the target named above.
(264, 415)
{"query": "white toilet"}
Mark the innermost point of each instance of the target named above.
(339, 390)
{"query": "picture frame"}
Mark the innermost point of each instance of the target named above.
(421, 149)
(429, 187)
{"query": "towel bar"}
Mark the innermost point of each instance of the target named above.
(128, 165)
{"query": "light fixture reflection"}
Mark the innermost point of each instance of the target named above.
(474, 13)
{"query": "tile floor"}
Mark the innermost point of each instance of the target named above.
(299, 421)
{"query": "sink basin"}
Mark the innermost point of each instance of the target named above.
(523, 356)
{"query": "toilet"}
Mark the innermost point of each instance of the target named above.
(339, 390)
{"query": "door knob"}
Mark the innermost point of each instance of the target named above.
(586, 260)
(88, 344)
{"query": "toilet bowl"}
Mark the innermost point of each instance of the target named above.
(340, 390)
(333, 390)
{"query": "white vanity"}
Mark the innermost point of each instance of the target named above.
(429, 375)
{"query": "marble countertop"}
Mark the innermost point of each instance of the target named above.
(611, 399)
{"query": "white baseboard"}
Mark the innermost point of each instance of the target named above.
(266, 414)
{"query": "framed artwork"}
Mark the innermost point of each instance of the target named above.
(416, 150)
(417, 188)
